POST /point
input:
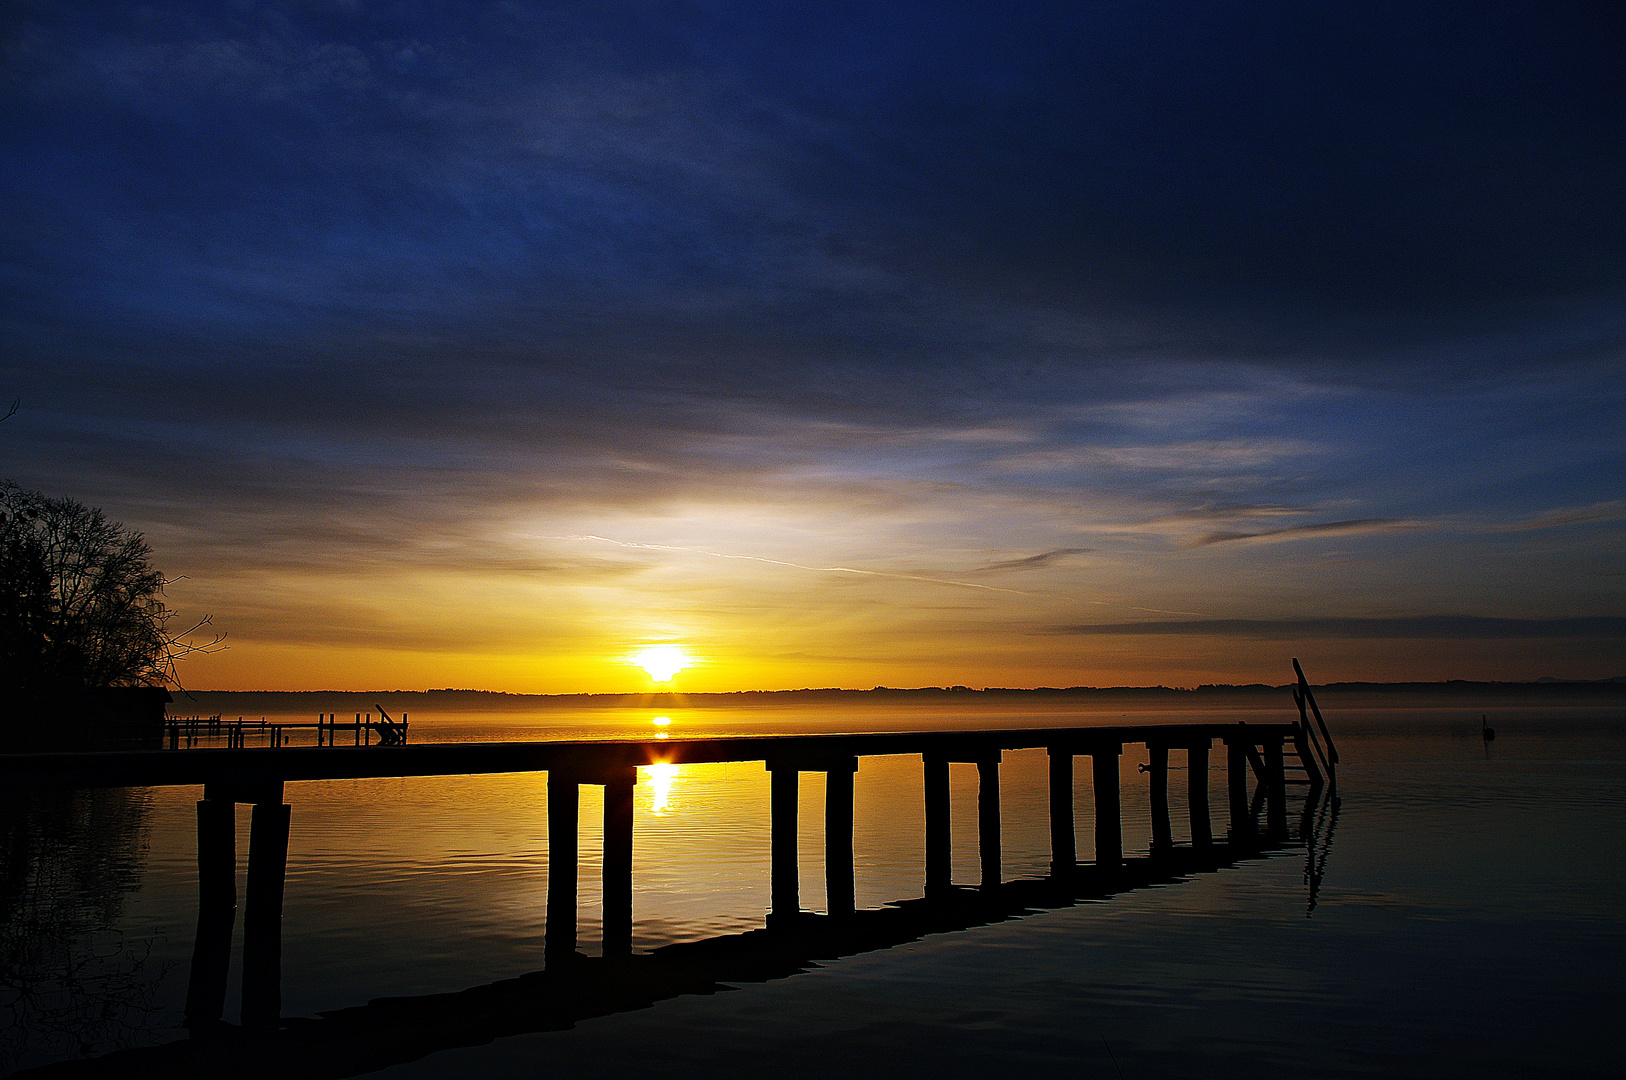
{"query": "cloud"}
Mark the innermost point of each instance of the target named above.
(1420, 627)
(1032, 562)
(1613, 510)
(1352, 527)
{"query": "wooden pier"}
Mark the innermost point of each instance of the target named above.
(1257, 775)
(190, 732)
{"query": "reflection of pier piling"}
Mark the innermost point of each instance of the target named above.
(564, 802)
(364, 1039)
(784, 798)
(1255, 780)
(217, 903)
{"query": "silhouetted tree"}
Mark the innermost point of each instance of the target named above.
(81, 606)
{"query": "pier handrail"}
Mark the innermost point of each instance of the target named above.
(1331, 752)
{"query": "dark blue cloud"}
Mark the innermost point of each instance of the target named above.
(1321, 169)
(1449, 627)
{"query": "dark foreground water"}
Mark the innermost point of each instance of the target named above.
(1468, 920)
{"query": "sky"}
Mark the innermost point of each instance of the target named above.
(838, 344)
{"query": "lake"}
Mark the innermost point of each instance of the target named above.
(1466, 916)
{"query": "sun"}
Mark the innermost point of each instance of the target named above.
(661, 661)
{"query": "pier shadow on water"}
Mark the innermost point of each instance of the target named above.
(573, 988)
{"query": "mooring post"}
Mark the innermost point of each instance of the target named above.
(1275, 788)
(1158, 778)
(838, 837)
(217, 911)
(1109, 831)
(988, 819)
(939, 846)
(1236, 760)
(559, 938)
(1063, 837)
(618, 861)
(262, 914)
(784, 874)
(1202, 830)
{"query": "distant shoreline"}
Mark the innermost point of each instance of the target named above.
(1611, 691)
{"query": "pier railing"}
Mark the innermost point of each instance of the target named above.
(190, 732)
(1312, 748)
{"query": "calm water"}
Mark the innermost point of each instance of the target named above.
(1469, 922)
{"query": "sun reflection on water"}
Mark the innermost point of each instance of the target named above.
(660, 776)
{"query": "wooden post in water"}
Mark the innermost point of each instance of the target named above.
(988, 819)
(785, 875)
(838, 837)
(1158, 778)
(1202, 830)
(1236, 760)
(217, 911)
(617, 861)
(559, 940)
(1063, 835)
(939, 846)
(1275, 788)
(262, 915)
(1109, 833)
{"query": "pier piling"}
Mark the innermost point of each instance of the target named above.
(559, 938)
(838, 837)
(1063, 834)
(1109, 834)
(1236, 761)
(262, 915)
(618, 862)
(939, 842)
(784, 874)
(1202, 829)
(1275, 788)
(988, 820)
(217, 912)
(1158, 779)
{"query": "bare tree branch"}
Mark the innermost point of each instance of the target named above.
(81, 605)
